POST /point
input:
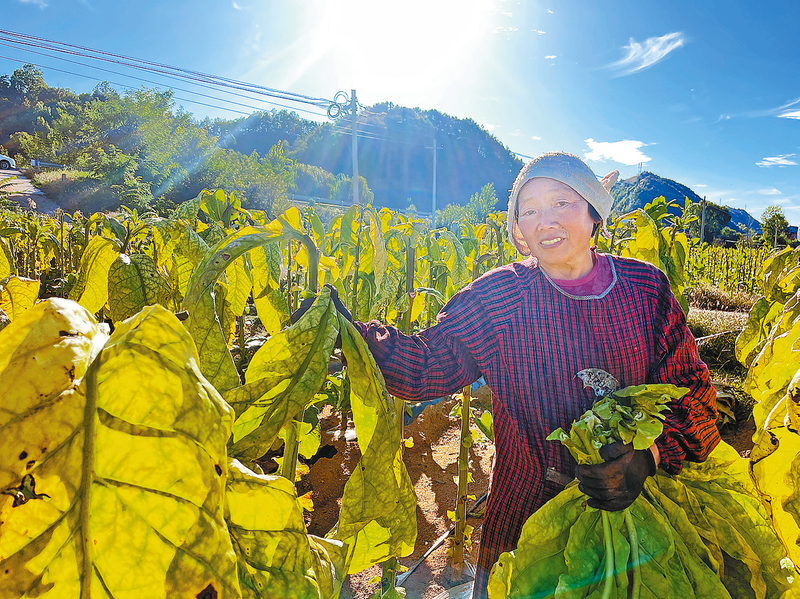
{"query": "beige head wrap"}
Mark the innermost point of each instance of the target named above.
(571, 171)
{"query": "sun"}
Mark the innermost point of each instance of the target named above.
(394, 50)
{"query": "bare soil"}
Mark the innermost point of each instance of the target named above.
(432, 466)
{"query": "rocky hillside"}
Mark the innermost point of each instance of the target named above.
(637, 191)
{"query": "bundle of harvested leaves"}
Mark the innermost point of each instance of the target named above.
(703, 533)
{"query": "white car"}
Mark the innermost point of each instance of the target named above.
(6, 162)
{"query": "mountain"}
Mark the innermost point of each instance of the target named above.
(395, 156)
(637, 191)
(743, 218)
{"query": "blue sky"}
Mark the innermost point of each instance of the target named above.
(705, 93)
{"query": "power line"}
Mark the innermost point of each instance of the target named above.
(20, 39)
(257, 108)
(157, 83)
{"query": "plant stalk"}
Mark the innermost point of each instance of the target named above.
(291, 447)
(411, 256)
(463, 476)
(356, 266)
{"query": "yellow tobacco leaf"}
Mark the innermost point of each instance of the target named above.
(17, 294)
(378, 514)
(282, 378)
(135, 282)
(124, 497)
(277, 559)
(91, 288)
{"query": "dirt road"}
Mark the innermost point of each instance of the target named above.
(25, 194)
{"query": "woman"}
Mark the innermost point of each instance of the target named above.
(530, 326)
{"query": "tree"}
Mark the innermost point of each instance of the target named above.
(479, 205)
(774, 225)
(27, 82)
(717, 218)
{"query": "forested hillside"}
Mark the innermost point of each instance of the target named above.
(397, 156)
(136, 148)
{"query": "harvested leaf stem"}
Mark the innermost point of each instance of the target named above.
(609, 577)
(633, 538)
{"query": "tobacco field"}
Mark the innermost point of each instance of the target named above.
(147, 363)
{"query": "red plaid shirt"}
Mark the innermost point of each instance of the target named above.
(529, 340)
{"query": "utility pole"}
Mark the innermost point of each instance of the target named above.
(703, 221)
(433, 193)
(353, 117)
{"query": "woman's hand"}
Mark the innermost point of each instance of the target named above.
(307, 303)
(617, 482)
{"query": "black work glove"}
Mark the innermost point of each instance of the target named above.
(617, 482)
(308, 302)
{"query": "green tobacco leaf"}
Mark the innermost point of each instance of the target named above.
(282, 379)
(123, 494)
(721, 502)
(534, 568)
(277, 558)
(188, 210)
(91, 288)
(687, 526)
(18, 294)
(203, 323)
(378, 513)
(133, 283)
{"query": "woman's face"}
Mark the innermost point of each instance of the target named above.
(555, 223)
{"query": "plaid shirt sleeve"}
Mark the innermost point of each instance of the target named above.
(690, 431)
(434, 362)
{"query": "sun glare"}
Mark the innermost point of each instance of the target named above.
(394, 48)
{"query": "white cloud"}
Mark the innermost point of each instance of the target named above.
(501, 29)
(782, 201)
(536, 137)
(625, 152)
(790, 114)
(700, 185)
(515, 133)
(40, 3)
(781, 160)
(538, 31)
(488, 126)
(770, 192)
(551, 57)
(550, 12)
(236, 6)
(653, 50)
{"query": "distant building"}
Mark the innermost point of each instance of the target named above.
(791, 233)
